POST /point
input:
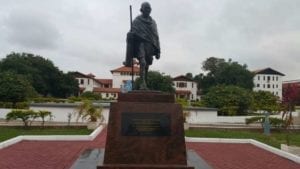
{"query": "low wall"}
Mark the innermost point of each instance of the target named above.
(60, 112)
(210, 116)
(199, 115)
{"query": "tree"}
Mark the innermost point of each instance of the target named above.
(291, 96)
(212, 64)
(14, 88)
(224, 72)
(42, 74)
(230, 100)
(24, 115)
(157, 81)
(43, 115)
(189, 75)
(265, 101)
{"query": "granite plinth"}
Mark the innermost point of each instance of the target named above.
(146, 96)
(145, 130)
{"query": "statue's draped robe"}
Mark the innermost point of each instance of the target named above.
(144, 31)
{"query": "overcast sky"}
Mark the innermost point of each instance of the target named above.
(89, 35)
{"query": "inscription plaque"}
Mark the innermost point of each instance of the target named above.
(145, 124)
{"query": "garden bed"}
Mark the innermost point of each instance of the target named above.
(276, 138)
(10, 132)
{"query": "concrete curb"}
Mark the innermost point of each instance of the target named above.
(17, 139)
(266, 147)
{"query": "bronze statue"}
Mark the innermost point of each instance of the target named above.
(143, 42)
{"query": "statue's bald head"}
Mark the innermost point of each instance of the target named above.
(145, 4)
(146, 9)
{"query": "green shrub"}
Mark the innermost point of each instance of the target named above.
(22, 105)
(90, 96)
(275, 122)
(6, 105)
(183, 102)
(24, 115)
(73, 99)
(197, 104)
(255, 119)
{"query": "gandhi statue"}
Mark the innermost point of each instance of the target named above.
(143, 42)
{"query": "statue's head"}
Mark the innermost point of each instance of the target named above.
(145, 9)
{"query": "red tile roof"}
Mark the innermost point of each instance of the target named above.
(79, 74)
(183, 92)
(182, 78)
(104, 81)
(136, 69)
(106, 90)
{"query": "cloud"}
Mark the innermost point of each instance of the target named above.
(31, 29)
(89, 36)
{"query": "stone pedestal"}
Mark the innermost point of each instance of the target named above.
(145, 131)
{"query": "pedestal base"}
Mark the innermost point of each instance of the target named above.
(144, 167)
(93, 158)
(145, 131)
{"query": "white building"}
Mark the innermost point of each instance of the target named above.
(91, 84)
(110, 88)
(86, 82)
(268, 79)
(123, 74)
(185, 87)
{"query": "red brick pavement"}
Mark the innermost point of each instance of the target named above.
(62, 154)
(46, 154)
(240, 156)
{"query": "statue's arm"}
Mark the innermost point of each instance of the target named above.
(158, 43)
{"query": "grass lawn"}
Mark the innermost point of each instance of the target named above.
(10, 132)
(275, 139)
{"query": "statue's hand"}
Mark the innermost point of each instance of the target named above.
(157, 56)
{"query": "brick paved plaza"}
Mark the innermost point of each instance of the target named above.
(62, 154)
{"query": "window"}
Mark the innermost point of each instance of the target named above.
(277, 93)
(181, 84)
(106, 94)
(268, 85)
(88, 81)
(264, 86)
(264, 78)
(277, 86)
(268, 78)
(257, 85)
(258, 77)
(276, 78)
(192, 87)
(273, 78)
(81, 81)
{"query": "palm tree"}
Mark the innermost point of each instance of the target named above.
(87, 111)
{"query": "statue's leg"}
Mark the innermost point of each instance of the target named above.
(142, 61)
(146, 73)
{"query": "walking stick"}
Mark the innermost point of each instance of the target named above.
(132, 64)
